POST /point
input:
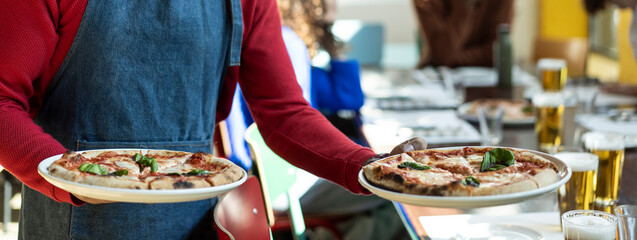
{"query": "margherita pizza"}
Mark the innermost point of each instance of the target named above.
(157, 169)
(470, 171)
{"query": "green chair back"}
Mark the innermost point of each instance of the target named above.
(277, 177)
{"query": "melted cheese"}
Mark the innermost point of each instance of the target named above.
(430, 177)
(474, 158)
(489, 180)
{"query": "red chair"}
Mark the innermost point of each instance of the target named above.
(240, 213)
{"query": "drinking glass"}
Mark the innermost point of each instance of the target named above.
(610, 150)
(589, 225)
(552, 72)
(549, 110)
(585, 91)
(490, 121)
(579, 191)
(627, 218)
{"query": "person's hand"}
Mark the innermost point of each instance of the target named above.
(91, 200)
(413, 144)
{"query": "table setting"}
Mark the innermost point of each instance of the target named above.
(558, 120)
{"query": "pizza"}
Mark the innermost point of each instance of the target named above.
(468, 171)
(156, 169)
(513, 110)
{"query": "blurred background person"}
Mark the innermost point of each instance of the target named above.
(336, 88)
(459, 32)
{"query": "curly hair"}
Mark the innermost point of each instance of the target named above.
(305, 18)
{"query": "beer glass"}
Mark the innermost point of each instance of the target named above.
(552, 72)
(549, 108)
(589, 225)
(610, 150)
(579, 191)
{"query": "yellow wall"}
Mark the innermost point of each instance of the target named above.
(627, 63)
(562, 19)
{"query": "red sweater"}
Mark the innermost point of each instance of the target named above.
(35, 37)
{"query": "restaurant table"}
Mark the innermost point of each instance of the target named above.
(538, 214)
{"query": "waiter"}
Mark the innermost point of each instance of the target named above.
(79, 74)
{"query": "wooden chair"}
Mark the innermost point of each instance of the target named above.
(573, 50)
(240, 213)
(283, 181)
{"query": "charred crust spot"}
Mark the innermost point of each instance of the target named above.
(53, 170)
(137, 187)
(436, 191)
(444, 187)
(183, 185)
(396, 178)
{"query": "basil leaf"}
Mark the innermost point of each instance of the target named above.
(121, 172)
(198, 172)
(145, 161)
(496, 159)
(414, 166)
(153, 165)
(527, 109)
(83, 167)
(471, 181)
(137, 157)
(93, 168)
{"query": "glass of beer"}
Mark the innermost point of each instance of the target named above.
(579, 191)
(552, 72)
(549, 108)
(609, 148)
(589, 225)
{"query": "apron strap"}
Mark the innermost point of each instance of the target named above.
(236, 33)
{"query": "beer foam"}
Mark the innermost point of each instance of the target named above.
(551, 64)
(603, 141)
(579, 162)
(548, 99)
(590, 227)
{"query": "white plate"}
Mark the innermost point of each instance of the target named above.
(133, 195)
(563, 175)
(603, 123)
(463, 112)
(487, 231)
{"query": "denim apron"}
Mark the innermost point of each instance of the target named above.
(139, 74)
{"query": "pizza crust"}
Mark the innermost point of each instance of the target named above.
(230, 175)
(518, 186)
(63, 173)
(167, 182)
(545, 177)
